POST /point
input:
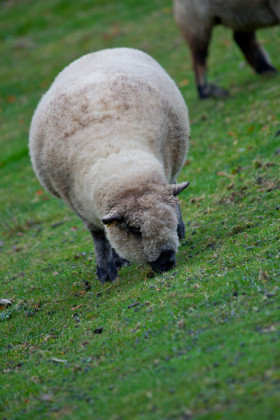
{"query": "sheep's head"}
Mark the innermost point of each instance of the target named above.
(142, 225)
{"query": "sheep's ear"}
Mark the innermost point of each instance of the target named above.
(177, 188)
(110, 219)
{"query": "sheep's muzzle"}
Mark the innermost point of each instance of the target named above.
(166, 261)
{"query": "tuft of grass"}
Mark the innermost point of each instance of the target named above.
(200, 342)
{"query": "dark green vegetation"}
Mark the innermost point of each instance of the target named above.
(201, 342)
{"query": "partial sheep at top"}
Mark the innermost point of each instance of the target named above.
(197, 18)
(109, 138)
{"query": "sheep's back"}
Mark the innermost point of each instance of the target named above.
(102, 103)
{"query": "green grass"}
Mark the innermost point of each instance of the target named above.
(203, 342)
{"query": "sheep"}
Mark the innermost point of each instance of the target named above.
(109, 138)
(196, 20)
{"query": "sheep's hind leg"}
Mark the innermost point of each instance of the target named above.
(253, 52)
(105, 255)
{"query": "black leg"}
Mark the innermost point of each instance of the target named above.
(119, 261)
(181, 224)
(253, 52)
(199, 57)
(106, 268)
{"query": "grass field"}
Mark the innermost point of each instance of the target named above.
(200, 342)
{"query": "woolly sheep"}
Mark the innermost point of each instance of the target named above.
(109, 138)
(196, 20)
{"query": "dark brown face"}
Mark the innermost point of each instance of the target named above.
(156, 243)
(148, 234)
(143, 227)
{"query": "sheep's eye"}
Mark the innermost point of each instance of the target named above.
(135, 230)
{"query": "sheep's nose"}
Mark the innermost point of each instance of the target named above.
(166, 261)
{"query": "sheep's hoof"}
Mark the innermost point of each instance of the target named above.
(108, 274)
(211, 91)
(266, 70)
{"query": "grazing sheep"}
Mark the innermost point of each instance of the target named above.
(196, 19)
(109, 138)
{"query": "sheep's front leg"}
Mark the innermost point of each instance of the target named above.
(181, 225)
(105, 255)
(199, 58)
(253, 52)
(119, 261)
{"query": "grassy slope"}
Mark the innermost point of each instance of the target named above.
(204, 341)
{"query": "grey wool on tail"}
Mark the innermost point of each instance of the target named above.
(109, 138)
